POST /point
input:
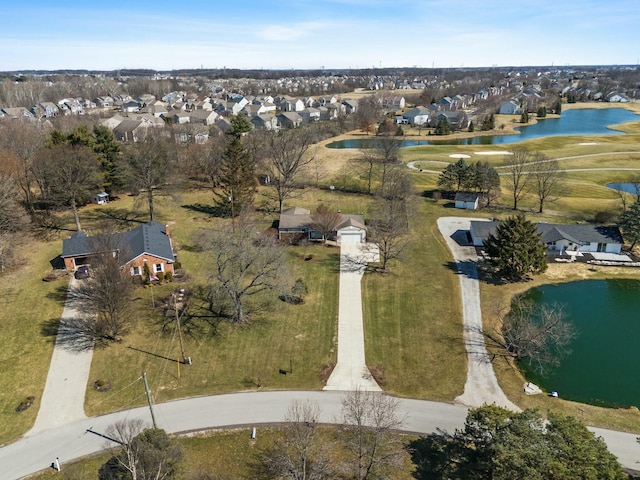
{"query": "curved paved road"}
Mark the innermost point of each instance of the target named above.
(82, 437)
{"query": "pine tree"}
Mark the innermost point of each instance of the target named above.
(516, 249)
(630, 224)
(237, 171)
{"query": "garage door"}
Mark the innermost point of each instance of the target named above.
(351, 237)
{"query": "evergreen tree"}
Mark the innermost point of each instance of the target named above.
(630, 224)
(237, 171)
(456, 177)
(497, 444)
(524, 118)
(542, 112)
(108, 150)
(443, 127)
(486, 181)
(489, 123)
(516, 249)
(558, 107)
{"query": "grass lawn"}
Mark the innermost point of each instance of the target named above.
(225, 357)
(412, 314)
(30, 307)
(220, 454)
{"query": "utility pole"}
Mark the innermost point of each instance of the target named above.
(175, 307)
(146, 389)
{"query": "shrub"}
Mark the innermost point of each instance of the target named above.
(177, 265)
(161, 276)
(168, 276)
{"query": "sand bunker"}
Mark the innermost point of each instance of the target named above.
(588, 143)
(459, 155)
(495, 152)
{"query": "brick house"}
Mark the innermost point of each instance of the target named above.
(148, 243)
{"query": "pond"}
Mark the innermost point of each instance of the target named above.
(602, 368)
(588, 121)
(633, 188)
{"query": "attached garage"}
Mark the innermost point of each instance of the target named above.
(351, 231)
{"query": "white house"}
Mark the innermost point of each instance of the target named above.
(101, 198)
(416, 116)
(561, 239)
(510, 108)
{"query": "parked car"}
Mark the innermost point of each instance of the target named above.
(82, 272)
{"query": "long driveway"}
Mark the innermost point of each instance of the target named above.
(351, 370)
(482, 385)
(64, 390)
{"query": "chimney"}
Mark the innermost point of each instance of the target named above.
(166, 230)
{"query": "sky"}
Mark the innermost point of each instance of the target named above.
(314, 34)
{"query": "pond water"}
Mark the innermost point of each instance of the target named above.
(590, 121)
(603, 366)
(633, 188)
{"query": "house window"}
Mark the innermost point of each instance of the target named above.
(158, 267)
(602, 247)
(136, 271)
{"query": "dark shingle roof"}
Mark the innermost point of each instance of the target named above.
(553, 232)
(150, 238)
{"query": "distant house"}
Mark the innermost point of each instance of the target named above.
(617, 98)
(560, 239)
(350, 106)
(510, 108)
(265, 121)
(467, 201)
(416, 116)
(129, 130)
(310, 115)
(289, 119)
(296, 222)
(148, 243)
(458, 120)
(16, 112)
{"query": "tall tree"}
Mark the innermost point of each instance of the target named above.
(547, 178)
(148, 165)
(387, 152)
(20, 142)
(13, 219)
(107, 293)
(516, 250)
(68, 175)
(366, 432)
(108, 151)
(236, 176)
(443, 127)
(486, 182)
(630, 224)
(298, 454)
(244, 265)
(287, 158)
(457, 176)
(497, 444)
(517, 165)
(389, 218)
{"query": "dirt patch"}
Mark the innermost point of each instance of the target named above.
(378, 374)
(25, 403)
(325, 373)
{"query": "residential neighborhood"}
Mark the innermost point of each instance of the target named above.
(210, 228)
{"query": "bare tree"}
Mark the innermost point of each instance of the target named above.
(148, 165)
(298, 455)
(366, 431)
(389, 224)
(13, 219)
(325, 220)
(387, 151)
(286, 158)
(68, 175)
(20, 141)
(517, 165)
(245, 264)
(539, 335)
(548, 179)
(144, 453)
(107, 293)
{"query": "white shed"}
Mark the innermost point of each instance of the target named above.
(467, 201)
(101, 198)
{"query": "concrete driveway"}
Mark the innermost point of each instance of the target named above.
(481, 386)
